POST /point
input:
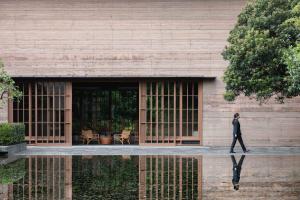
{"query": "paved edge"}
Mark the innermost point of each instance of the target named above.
(142, 150)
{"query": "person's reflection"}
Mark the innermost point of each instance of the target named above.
(236, 171)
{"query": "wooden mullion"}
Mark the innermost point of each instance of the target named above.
(174, 111)
(200, 111)
(200, 177)
(59, 113)
(42, 110)
(180, 111)
(168, 111)
(156, 111)
(48, 113)
(162, 112)
(187, 109)
(174, 178)
(193, 92)
(156, 176)
(30, 113)
(180, 177)
(151, 134)
(35, 97)
(53, 112)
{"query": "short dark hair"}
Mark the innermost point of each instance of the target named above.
(236, 115)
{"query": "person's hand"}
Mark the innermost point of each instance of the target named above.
(235, 135)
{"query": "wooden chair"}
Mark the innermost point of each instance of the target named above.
(88, 136)
(124, 136)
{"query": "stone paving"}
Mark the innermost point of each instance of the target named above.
(140, 150)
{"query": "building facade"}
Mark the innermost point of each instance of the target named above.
(168, 52)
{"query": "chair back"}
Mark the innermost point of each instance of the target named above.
(125, 134)
(87, 133)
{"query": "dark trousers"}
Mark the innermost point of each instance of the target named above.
(239, 137)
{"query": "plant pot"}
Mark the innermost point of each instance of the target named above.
(105, 139)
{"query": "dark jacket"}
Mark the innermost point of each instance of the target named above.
(236, 127)
(236, 169)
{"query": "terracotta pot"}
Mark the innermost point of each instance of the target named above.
(105, 139)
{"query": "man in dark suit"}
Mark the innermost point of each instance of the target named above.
(237, 134)
(236, 171)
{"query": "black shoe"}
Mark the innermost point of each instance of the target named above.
(246, 151)
(232, 152)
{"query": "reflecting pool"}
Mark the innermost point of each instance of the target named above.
(151, 177)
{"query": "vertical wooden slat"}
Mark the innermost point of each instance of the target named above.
(53, 113)
(68, 177)
(180, 177)
(200, 178)
(174, 111)
(156, 176)
(168, 111)
(30, 113)
(30, 176)
(59, 113)
(142, 177)
(200, 111)
(156, 111)
(193, 105)
(35, 113)
(162, 112)
(180, 111)
(151, 133)
(187, 109)
(68, 113)
(36, 177)
(10, 111)
(174, 178)
(140, 112)
(48, 112)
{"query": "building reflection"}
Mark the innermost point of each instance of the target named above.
(170, 177)
(142, 177)
(151, 177)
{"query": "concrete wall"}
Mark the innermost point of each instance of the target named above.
(146, 38)
(115, 38)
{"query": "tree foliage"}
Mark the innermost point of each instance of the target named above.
(257, 48)
(7, 86)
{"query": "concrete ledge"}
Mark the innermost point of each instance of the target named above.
(13, 149)
(140, 150)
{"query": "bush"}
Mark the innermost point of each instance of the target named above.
(12, 172)
(12, 133)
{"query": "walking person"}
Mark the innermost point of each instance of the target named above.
(237, 134)
(236, 171)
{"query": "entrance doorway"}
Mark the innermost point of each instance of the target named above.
(107, 110)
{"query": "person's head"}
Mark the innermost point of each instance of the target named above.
(236, 116)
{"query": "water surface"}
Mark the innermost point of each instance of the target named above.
(151, 177)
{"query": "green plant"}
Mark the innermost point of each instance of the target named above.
(7, 86)
(12, 133)
(12, 172)
(257, 45)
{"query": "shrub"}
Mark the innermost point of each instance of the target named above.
(12, 172)
(11, 133)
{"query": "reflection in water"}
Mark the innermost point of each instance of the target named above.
(236, 171)
(151, 177)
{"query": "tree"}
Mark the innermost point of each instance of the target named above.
(292, 58)
(257, 46)
(7, 86)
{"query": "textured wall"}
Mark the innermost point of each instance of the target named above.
(141, 38)
(271, 124)
(115, 38)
